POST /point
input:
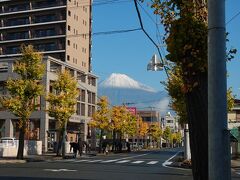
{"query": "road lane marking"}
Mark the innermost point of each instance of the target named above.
(83, 160)
(124, 161)
(108, 161)
(98, 160)
(65, 160)
(137, 162)
(152, 162)
(168, 162)
(58, 170)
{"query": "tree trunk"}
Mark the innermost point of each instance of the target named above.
(114, 140)
(197, 111)
(21, 143)
(59, 143)
(100, 143)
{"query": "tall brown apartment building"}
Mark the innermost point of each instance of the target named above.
(61, 30)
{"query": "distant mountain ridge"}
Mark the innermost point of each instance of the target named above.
(121, 89)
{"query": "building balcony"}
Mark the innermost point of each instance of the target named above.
(18, 54)
(30, 25)
(47, 8)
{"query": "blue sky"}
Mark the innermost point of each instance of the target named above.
(129, 53)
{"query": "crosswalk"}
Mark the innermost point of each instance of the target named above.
(105, 161)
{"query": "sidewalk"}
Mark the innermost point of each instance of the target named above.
(39, 158)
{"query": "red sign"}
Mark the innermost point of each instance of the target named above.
(133, 110)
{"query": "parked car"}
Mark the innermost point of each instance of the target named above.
(8, 141)
(136, 145)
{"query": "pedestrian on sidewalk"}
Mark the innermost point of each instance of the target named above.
(74, 146)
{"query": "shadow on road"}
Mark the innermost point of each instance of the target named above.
(33, 178)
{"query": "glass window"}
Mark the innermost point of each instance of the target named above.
(13, 50)
(45, 32)
(17, 35)
(83, 92)
(46, 47)
(3, 67)
(45, 18)
(18, 7)
(17, 21)
(82, 109)
(46, 3)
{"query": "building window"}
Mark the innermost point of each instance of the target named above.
(45, 18)
(17, 21)
(46, 47)
(78, 110)
(17, 35)
(3, 67)
(13, 50)
(69, 13)
(45, 32)
(68, 42)
(82, 109)
(69, 28)
(19, 7)
(68, 57)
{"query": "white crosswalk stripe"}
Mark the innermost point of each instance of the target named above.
(124, 161)
(97, 160)
(83, 160)
(109, 161)
(117, 161)
(137, 162)
(152, 162)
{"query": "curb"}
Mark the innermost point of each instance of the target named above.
(12, 161)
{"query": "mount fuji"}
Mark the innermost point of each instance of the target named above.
(121, 89)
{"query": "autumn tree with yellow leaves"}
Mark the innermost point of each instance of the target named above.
(24, 90)
(186, 32)
(62, 103)
(102, 118)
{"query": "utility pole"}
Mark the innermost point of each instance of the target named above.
(218, 141)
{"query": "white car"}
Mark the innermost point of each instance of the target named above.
(8, 141)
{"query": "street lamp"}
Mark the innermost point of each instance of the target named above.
(155, 64)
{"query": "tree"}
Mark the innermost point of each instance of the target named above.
(143, 128)
(178, 136)
(62, 102)
(186, 27)
(155, 132)
(131, 124)
(115, 124)
(101, 118)
(24, 90)
(167, 134)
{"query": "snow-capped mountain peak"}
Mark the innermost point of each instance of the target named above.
(116, 80)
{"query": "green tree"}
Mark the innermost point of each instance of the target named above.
(62, 103)
(101, 118)
(24, 90)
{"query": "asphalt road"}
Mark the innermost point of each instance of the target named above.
(134, 166)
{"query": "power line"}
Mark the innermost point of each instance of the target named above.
(106, 32)
(236, 15)
(87, 3)
(141, 24)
